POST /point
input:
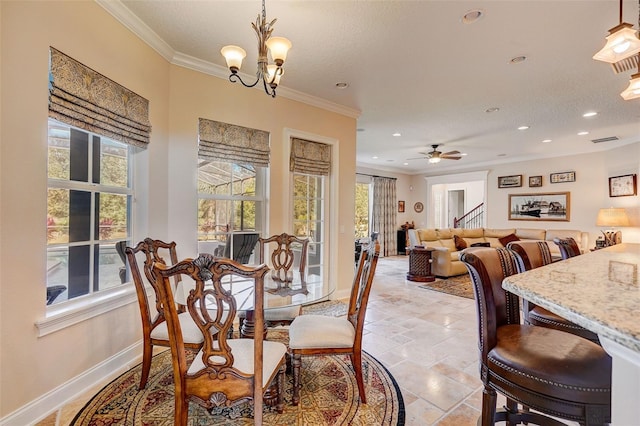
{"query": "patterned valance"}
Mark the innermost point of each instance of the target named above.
(312, 158)
(236, 144)
(84, 98)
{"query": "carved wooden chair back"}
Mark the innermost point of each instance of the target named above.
(568, 247)
(570, 381)
(361, 288)
(141, 259)
(226, 371)
(283, 256)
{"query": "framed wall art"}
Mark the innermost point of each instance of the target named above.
(562, 177)
(550, 206)
(535, 181)
(400, 206)
(623, 186)
(509, 181)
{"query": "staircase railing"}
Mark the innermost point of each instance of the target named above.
(472, 219)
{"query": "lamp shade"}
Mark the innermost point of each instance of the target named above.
(278, 47)
(622, 42)
(273, 74)
(234, 56)
(633, 90)
(612, 217)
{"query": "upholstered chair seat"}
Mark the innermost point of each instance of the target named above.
(320, 331)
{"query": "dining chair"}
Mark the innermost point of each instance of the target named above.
(533, 254)
(324, 335)
(154, 326)
(568, 247)
(284, 252)
(546, 371)
(226, 371)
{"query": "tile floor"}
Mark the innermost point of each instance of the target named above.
(425, 338)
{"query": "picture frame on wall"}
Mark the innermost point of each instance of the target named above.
(400, 206)
(562, 177)
(623, 186)
(545, 206)
(535, 181)
(513, 181)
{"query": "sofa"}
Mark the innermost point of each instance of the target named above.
(450, 242)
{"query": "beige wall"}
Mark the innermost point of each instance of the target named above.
(588, 193)
(31, 366)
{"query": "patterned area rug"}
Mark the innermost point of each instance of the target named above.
(329, 395)
(458, 286)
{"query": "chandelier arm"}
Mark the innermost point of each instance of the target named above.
(236, 77)
(271, 92)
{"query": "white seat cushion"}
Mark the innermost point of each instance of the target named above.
(286, 313)
(242, 349)
(320, 331)
(190, 331)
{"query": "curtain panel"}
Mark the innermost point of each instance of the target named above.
(384, 214)
(235, 144)
(312, 158)
(84, 98)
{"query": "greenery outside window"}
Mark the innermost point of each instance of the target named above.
(362, 197)
(309, 217)
(89, 208)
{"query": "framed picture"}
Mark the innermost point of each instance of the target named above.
(546, 206)
(623, 186)
(562, 177)
(418, 207)
(509, 181)
(400, 206)
(535, 181)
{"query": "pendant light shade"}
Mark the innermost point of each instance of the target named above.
(622, 43)
(633, 91)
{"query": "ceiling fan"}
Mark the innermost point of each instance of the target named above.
(435, 156)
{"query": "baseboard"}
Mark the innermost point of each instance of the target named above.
(43, 406)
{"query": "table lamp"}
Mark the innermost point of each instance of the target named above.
(612, 218)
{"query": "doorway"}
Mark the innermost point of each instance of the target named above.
(455, 205)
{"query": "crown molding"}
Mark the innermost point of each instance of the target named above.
(119, 11)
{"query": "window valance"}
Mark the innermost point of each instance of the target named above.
(236, 144)
(311, 158)
(84, 98)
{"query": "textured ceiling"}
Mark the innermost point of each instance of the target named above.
(415, 68)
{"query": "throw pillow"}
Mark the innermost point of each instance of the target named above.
(460, 243)
(507, 239)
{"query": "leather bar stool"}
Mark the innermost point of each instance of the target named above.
(546, 371)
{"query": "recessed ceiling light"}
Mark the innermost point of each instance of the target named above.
(396, 134)
(375, 157)
(390, 161)
(546, 141)
(360, 129)
(463, 153)
(590, 114)
(502, 155)
(492, 109)
(406, 164)
(582, 133)
(523, 127)
(517, 59)
(342, 85)
(472, 16)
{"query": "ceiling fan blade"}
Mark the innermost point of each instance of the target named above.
(448, 157)
(426, 154)
(451, 153)
(417, 158)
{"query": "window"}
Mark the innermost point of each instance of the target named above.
(362, 209)
(89, 202)
(230, 208)
(308, 216)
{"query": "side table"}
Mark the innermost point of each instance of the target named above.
(420, 264)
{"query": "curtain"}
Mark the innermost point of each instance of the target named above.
(312, 158)
(84, 98)
(384, 214)
(235, 144)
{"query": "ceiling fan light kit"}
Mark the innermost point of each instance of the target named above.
(278, 47)
(436, 156)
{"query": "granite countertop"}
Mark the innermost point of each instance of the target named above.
(599, 291)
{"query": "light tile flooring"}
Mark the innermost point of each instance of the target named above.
(425, 338)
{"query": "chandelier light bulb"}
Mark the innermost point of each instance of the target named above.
(234, 56)
(278, 47)
(434, 160)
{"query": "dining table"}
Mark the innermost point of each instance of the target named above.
(600, 291)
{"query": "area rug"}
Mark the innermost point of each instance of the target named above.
(457, 286)
(328, 397)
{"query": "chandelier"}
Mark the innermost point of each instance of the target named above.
(633, 90)
(278, 47)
